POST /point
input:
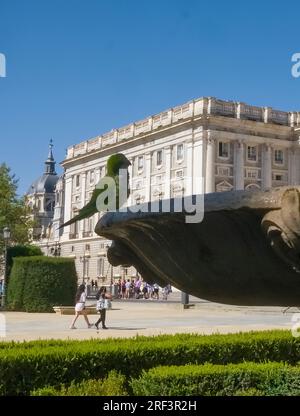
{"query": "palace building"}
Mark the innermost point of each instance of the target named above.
(231, 145)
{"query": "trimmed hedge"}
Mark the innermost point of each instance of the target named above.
(112, 385)
(28, 366)
(38, 283)
(21, 251)
(220, 380)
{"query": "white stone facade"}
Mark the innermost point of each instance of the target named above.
(230, 145)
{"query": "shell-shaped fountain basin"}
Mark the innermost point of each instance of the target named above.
(245, 251)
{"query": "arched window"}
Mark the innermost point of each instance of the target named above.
(253, 186)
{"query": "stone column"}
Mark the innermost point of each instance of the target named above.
(198, 150)
(210, 166)
(130, 172)
(83, 201)
(68, 206)
(292, 167)
(148, 176)
(267, 167)
(297, 164)
(239, 165)
(189, 171)
(167, 190)
(97, 175)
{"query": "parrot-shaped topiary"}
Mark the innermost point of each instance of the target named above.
(114, 164)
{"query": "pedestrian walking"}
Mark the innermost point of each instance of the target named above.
(156, 291)
(103, 301)
(165, 292)
(80, 299)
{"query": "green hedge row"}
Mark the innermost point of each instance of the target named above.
(112, 385)
(38, 283)
(246, 379)
(20, 251)
(269, 379)
(28, 366)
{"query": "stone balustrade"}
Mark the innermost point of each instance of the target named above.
(194, 109)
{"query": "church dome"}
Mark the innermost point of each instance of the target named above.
(47, 182)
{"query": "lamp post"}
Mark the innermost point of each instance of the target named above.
(82, 260)
(111, 286)
(6, 236)
(184, 298)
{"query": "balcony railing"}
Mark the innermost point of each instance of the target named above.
(87, 234)
(73, 236)
(195, 108)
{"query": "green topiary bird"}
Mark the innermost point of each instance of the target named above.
(114, 164)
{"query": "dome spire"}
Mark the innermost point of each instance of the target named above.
(50, 162)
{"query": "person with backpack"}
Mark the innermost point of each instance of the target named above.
(103, 303)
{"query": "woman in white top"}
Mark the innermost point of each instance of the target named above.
(80, 307)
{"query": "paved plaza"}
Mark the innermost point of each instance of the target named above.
(129, 318)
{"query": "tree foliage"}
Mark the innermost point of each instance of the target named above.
(13, 211)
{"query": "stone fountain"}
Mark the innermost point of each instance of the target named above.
(245, 251)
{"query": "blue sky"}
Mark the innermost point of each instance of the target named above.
(76, 69)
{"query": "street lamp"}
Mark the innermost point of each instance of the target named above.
(83, 260)
(6, 236)
(112, 286)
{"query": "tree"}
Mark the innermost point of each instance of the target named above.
(13, 211)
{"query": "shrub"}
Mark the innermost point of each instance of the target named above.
(217, 380)
(38, 283)
(28, 366)
(21, 251)
(112, 385)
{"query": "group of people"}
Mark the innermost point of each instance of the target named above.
(94, 284)
(139, 289)
(126, 289)
(80, 309)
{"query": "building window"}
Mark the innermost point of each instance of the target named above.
(92, 176)
(179, 152)
(159, 158)
(223, 171)
(100, 267)
(278, 156)
(224, 150)
(140, 162)
(251, 174)
(87, 247)
(77, 180)
(72, 249)
(179, 174)
(277, 177)
(252, 153)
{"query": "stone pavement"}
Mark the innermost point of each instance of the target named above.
(129, 318)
